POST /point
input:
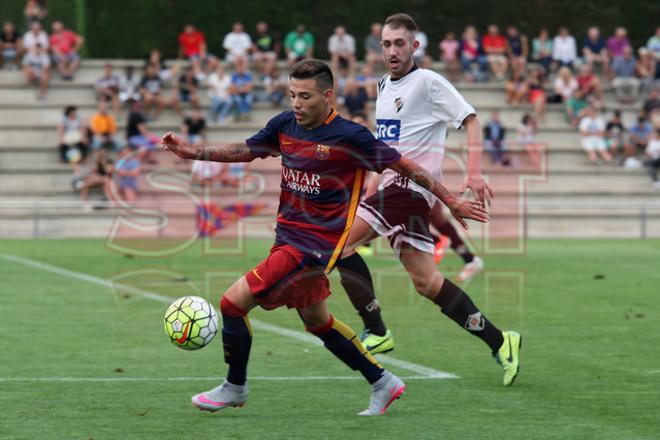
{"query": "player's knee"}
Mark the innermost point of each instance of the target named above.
(427, 284)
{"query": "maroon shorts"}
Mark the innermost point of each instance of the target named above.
(286, 278)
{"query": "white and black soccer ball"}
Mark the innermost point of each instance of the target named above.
(191, 322)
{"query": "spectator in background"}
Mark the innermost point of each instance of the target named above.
(10, 46)
(194, 128)
(594, 49)
(205, 173)
(592, 130)
(645, 69)
(651, 108)
(564, 51)
(516, 88)
(420, 53)
(653, 44)
(65, 45)
(565, 85)
(449, 47)
(192, 46)
(355, 97)
(155, 60)
(494, 134)
(640, 134)
(472, 58)
(618, 42)
(186, 90)
(103, 128)
(537, 95)
(615, 137)
(372, 47)
(218, 88)
(237, 44)
(137, 134)
(97, 174)
(277, 86)
(72, 137)
(526, 133)
(517, 48)
(341, 46)
(241, 91)
(35, 10)
(129, 86)
(107, 87)
(35, 36)
(127, 169)
(653, 155)
(36, 69)
(542, 50)
(298, 45)
(495, 48)
(368, 80)
(626, 85)
(265, 49)
(589, 86)
(151, 90)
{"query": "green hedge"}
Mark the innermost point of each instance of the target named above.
(130, 28)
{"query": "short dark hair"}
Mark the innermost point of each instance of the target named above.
(314, 69)
(401, 20)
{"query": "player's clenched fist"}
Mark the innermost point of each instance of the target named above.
(176, 145)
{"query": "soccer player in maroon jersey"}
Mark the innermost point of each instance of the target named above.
(324, 160)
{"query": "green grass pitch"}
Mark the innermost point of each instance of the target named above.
(80, 361)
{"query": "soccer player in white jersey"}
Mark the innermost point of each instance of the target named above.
(414, 108)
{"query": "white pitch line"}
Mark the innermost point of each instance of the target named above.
(410, 366)
(191, 379)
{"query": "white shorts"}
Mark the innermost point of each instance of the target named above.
(593, 143)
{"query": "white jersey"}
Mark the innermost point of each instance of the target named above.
(412, 114)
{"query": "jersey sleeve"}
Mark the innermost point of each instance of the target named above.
(371, 153)
(447, 104)
(267, 141)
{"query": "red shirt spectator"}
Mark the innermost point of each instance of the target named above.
(191, 42)
(63, 42)
(496, 43)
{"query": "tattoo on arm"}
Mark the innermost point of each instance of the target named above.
(238, 152)
(423, 178)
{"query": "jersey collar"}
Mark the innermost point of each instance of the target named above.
(412, 69)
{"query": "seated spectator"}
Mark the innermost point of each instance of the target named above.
(151, 90)
(576, 108)
(234, 174)
(355, 97)
(186, 90)
(372, 48)
(420, 52)
(594, 49)
(639, 134)
(192, 46)
(241, 91)
(107, 87)
(10, 46)
(237, 44)
(526, 133)
(127, 171)
(495, 47)
(516, 88)
(35, 11)
(564, 51)
(129, 86)
(615, 137)
(97, 174)
(72, 137)
(626, 86)
(103, 128)
(194, 128)
(155, 59)
(266, 48)
(645, 69)
(298, 45)
(652, 107)
(277, 86)
(65, 45)
(542, 50)
(589, 86)
(369, 81)
(653, 44)
(592, 130)
(565, 85)
(617, 43)
(341, 46)
(517, 49)
(653, 156)
(494, 134)
(35, 36)
(537, 93)
(472, 58)
(137, 134)
(448, 48)
(36, 68)
(218, 88)
(206, 173)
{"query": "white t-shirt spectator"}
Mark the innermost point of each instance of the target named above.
(564, 49)
(591, 130)
(345, 44)
(653, 148)
(37, 62)
(30, 40)
(206, 170)
(423, 43)
(564, 89)
(219, 87)
(237, 44)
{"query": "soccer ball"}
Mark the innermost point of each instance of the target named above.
(191, 322)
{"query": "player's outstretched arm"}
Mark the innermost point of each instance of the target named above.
(460, 207)
(237, 152)
(475, 181)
